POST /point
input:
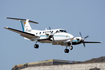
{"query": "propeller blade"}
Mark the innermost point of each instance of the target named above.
(53, 39)
(83, 44)
(49, 28)
(86, 37)
(80, 34)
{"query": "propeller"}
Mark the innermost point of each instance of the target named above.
(49, 28)
(52, 35)
(83, 38)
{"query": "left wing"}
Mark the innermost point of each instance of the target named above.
(24, 34)
(91, 42)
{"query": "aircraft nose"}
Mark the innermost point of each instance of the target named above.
(71, 36)
(82, 39)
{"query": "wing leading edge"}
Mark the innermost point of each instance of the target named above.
(24, 34)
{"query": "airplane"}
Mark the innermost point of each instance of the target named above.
(54, 36)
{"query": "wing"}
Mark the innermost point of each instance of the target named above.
(91, 42)
(24, 34)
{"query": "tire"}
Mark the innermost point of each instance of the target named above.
(36, 46)
(66, 50)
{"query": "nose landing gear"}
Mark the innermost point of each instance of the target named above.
(71, 47)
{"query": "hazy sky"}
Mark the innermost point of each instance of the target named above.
(87, 16)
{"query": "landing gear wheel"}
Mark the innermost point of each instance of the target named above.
(36, 46)
(66, 50)
(71, 47)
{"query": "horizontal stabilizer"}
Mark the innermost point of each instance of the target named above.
(22, 20)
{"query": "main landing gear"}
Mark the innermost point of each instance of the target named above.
(67, 50)
(36, 46)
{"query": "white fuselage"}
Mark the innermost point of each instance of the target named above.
(59, 34)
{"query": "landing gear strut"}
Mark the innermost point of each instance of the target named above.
(36, 46)
(71, 47)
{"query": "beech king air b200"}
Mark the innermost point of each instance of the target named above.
(54, 36)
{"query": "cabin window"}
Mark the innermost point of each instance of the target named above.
(40, 33)
(51, 31)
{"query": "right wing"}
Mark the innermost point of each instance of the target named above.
(91, 42)
(24, 34)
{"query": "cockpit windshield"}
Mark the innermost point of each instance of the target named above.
(63, 31)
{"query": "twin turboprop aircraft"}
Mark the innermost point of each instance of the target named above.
(54, 36)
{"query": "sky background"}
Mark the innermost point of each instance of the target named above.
(85, 16)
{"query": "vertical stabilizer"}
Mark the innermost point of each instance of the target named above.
(26, 26)
(24, 23)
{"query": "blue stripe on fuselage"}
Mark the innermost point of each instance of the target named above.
(43, 36)
(55, 36)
